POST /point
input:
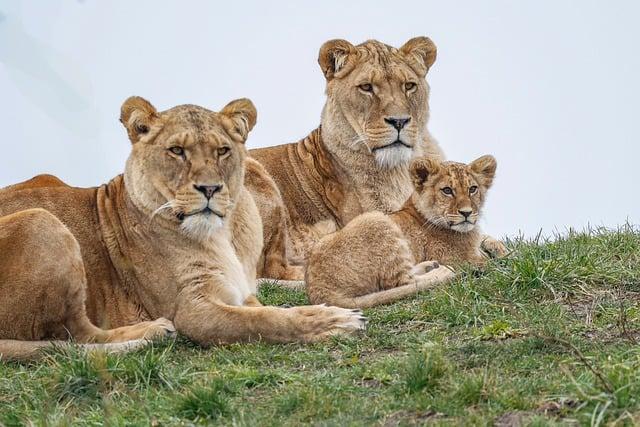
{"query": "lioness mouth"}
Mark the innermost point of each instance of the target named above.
(205, 211)
(396, 143)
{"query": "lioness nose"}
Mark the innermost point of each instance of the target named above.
(397, 122)
(208, 190)
(465, 212)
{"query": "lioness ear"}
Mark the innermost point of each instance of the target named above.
(137, 115)
(421, 54)
(421, 168)
(242, 117)
(334, 58)
(484, 168)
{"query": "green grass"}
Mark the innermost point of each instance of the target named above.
(548, 336)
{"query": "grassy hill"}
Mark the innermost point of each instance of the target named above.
(547, 336)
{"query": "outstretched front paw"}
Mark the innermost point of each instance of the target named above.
(159, 328)
(493, 248)
(321, 321)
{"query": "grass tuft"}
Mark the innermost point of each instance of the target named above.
(425, 371)
(475, 389)
(148, 369)
(80, 375)
(205, 403)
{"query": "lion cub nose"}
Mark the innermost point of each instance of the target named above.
(208, 190)
(465, 212)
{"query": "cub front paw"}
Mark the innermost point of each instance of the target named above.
(493, 248)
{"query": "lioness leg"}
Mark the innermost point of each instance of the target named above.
(42, 285)
(274, 262)
(252, 301)
(211, 322)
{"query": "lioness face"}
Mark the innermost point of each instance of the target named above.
(187, 163)
(377, 97)
(449, 194)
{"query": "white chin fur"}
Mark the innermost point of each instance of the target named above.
(389, 158)
(201, 227)
(463, 228)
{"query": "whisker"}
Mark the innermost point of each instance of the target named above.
(435, 222)
(168, 205)
(358, 139)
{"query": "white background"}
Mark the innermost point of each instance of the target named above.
(551, 88)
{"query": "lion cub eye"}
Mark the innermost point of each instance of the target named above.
(178, 151)
(448, 191)
(223, 150)
(409, 86)
(366, 87)
(473, 189)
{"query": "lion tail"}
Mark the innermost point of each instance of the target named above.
(15, 350)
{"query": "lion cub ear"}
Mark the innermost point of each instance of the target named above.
(484, 169)
(137, 115)
(421, 54)
(336, 58)
(242, 116)
(420, 170)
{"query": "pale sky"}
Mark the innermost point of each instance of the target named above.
(550, 88)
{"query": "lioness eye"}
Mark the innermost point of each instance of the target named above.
(367, 87)
(409, 86)
(222, 151)
(473, 189)
(178, 151)
(447, 190)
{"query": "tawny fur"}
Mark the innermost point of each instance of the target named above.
(342, 168)
(377, 258)
(99, 264)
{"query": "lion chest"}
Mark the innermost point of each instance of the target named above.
(221, 275)
(378, 192)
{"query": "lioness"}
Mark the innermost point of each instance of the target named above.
(373, 259)
(176, 238)
(373, 123)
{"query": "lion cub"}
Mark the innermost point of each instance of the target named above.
(376, 258)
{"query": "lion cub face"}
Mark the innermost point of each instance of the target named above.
(450, 195)
(377, 97)
(187, 163)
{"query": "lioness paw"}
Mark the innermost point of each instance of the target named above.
(159, 328)
(323, 321)
(351, 320)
